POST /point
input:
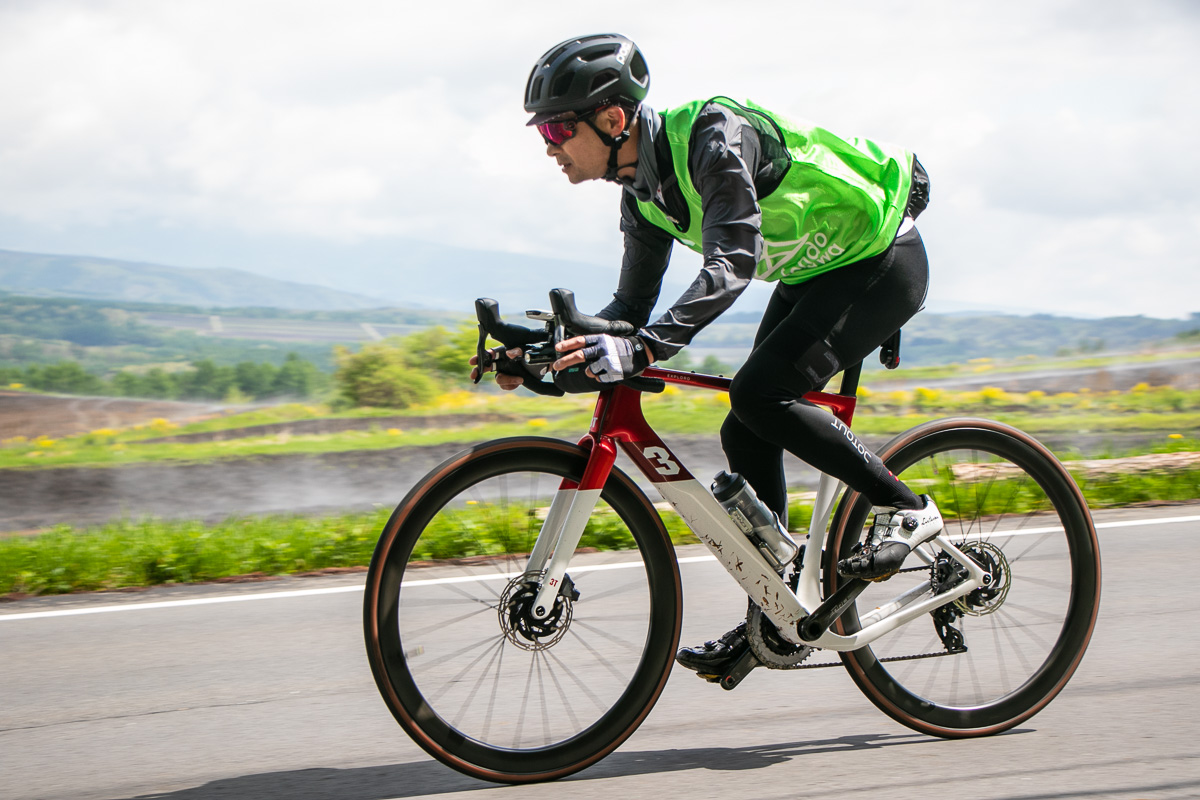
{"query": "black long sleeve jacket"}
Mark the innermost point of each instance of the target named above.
(730, 172)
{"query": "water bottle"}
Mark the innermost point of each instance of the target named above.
(754, 519)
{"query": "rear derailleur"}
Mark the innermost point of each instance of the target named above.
(944, 574)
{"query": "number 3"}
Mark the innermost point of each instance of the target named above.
(665, 465)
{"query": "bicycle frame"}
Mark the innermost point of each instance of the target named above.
(618, 420)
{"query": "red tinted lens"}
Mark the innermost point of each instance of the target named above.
(557, 132)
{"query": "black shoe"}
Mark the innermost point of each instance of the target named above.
(893, 536)
(712, 659)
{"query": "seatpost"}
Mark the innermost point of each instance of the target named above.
(850, 380)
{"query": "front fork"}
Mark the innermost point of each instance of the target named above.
(566, 520)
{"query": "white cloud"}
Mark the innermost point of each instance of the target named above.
(1057, 134)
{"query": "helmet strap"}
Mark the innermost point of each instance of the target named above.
(614, 147)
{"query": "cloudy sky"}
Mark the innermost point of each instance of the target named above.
(1061, 136)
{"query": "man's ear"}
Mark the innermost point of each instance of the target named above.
(612, 120)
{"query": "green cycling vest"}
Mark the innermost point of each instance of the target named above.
(840, 200)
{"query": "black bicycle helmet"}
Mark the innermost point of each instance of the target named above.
(584, 73)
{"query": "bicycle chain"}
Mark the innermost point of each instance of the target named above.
(825, 664)
(881, 660)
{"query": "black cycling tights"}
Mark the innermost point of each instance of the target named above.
(809, 332)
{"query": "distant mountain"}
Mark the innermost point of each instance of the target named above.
(88, 277)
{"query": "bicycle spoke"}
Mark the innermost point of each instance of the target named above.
(1005, 683)
(524, 707)
(496, 643)
(605, 634)
(487, 717)
(1045, 537)
(933, 674)
(490, 640)
(1024, 628)
(582, 685)
(597, 655)
(955, 667)
(904, 669)
(949, 470)
(446, 623)
(621, 589)
(466, 704)
(1014, 647)
(975, 681)
(538, 659)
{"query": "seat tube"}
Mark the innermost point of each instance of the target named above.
(595, 475)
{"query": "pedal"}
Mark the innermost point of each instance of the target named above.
(737, 671)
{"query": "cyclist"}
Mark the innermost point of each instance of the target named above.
(830, 220)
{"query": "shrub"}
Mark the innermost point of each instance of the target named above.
(382, 374)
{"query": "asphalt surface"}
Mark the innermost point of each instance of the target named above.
(271, 697)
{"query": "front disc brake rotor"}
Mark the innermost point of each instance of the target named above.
(520, 626)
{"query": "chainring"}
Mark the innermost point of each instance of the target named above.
(771, 649)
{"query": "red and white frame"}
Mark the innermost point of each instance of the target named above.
(618, 421)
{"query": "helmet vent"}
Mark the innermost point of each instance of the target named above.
(536, 89)
(597, 53)
(637, 68)
(561, 84)
(606, 78)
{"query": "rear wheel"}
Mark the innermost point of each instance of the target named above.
(466, 668)
(997, 656)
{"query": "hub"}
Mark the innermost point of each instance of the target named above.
(996, 580)
(517, 621)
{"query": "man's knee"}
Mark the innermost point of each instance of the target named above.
(745, 400)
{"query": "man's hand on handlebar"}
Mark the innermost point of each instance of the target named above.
(609, 358)
(504, 380)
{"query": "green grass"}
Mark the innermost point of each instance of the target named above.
(152, 552)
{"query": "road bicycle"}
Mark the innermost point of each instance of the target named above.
(540, 651)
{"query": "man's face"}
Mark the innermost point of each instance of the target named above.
(584, 157)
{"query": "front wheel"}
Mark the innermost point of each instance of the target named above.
(998, 655)
(467, 669)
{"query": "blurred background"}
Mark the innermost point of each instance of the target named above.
(239, 247)
(240, 242)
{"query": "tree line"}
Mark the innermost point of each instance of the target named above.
(296, 378)
(397, 372)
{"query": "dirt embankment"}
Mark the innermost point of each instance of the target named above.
(31, 415)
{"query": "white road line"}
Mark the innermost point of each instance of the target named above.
(239, 598)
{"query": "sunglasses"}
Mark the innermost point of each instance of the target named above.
(559, 131)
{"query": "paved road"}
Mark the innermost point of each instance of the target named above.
(272, 698)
